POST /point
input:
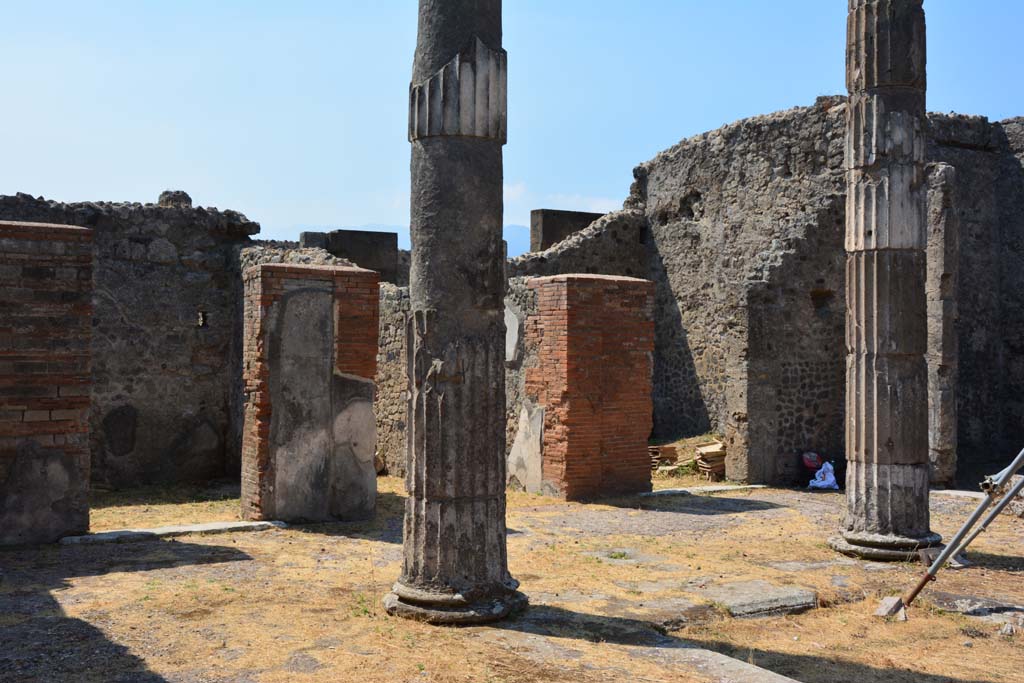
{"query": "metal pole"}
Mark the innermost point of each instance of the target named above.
(1007, 499)
(956, 545)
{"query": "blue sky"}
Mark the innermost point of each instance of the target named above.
(295, 113)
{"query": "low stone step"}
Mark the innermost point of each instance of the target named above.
(133, 535)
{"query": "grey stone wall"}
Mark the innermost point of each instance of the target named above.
(164, 340)
(392, 379)
(746, 228)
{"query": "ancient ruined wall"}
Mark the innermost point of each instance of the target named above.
(166, 291)
(585, 408)
(392, 398)
(310, 356)
(45, 325)
(746, 245)
(746, 249)
(988, 200)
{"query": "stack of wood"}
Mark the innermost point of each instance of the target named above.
(662, 456)
(711, 460)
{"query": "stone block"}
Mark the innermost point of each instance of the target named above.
(550, 226)
(366, 248)
(759, 598)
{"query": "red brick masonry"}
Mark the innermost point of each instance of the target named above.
(356, 312)
(45, 330)
(595, 339)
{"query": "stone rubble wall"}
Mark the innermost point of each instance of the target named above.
(612, 245)
(165, 334)
(45, 327)
(746, 229)
(392, 379)
(310, 356)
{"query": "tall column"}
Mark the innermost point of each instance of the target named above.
(886, 330)
(455, 567)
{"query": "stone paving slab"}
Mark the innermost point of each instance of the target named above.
(703, 490)
(954, 493)
(759, 598)
(538, 636)
(134, 535)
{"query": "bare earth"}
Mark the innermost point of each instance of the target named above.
(620, 590)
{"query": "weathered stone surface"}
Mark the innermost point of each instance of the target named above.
(888, 473)
(759, 598)
(526, 458)
(392, 380)
(45, 328)
(548, 227)
(174, 198)
(455, 567)
(309, 435)
(943, 254)
(164, 346)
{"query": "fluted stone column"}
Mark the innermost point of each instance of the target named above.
(886, 330)
(455, 568)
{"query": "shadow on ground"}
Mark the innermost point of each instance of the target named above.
(1006, 563)
(557, 622)
(692, 504)
(39, 642)
(385, 526)
(166, 494)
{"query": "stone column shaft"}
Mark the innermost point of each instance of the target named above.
(455, 568)
(886, 329)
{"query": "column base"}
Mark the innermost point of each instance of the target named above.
(882, 547)
(445, 608)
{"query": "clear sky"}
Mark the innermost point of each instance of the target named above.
(294, 113)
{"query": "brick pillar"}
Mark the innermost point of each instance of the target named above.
(45, 330)
(589, 394)
(309, 358)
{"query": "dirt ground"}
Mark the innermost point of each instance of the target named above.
(618, 589)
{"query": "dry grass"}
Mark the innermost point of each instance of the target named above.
(303, 604)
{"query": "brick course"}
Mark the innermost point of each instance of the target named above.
(594, 337)
(355, 302)
(45, 329)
